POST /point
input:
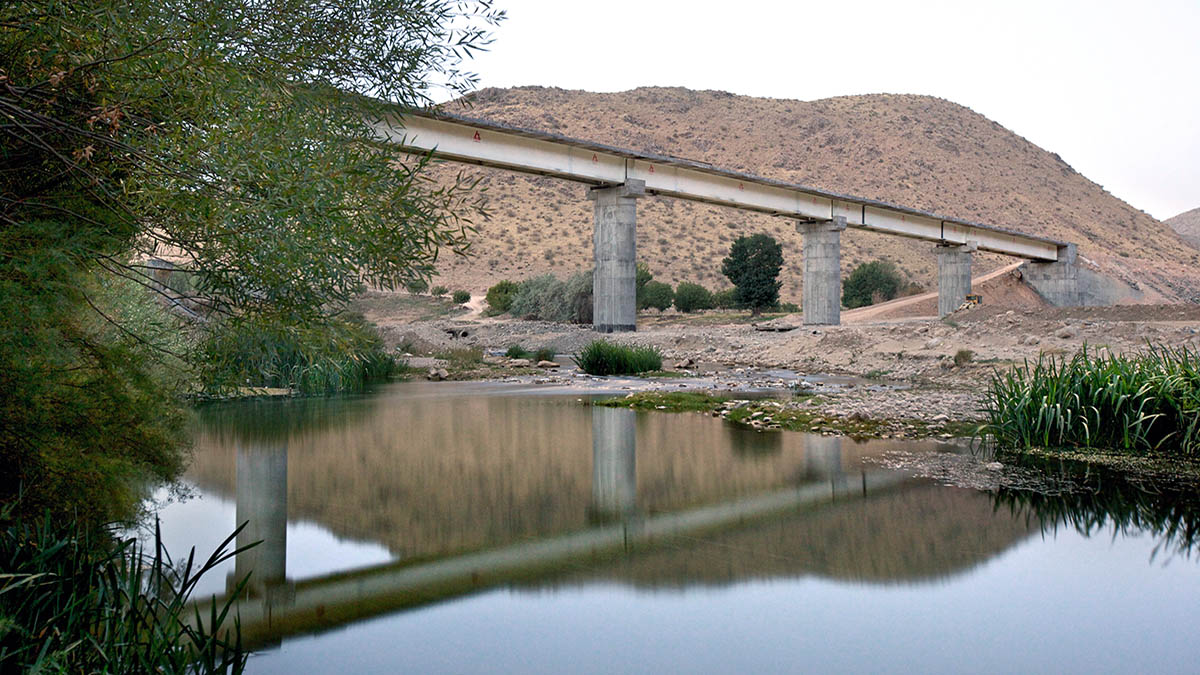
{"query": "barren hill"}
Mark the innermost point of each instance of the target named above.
(917, 151)
(1187, 224)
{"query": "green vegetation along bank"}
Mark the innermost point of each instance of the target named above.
(74, 601)
(1142, 404)
(799, 413)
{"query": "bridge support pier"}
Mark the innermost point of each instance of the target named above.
(262, 505)
(1057, 282)
(823, 271)
(614, 462)
(954, 275)
(822, 457)
(614, 242)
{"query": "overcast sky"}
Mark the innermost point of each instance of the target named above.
(1112, 87)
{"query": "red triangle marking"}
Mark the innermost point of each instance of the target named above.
(477, 139)
(594, 158)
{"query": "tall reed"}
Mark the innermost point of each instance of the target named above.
(73, 602)
(1143, 402)
(605, 358)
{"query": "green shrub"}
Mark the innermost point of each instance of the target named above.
(579, 297)
(726, 299)
(543, 298)
(753, 266)
(1141, 403)
(691, 297)
(643, 277)
(416, 286)
(546, 298)
(963, 356)
(500, 296)
(438, 291)
(542, 354)
(343, 355)
(789, 307)
(606, 358)
(78, 603)
(461, 297)
(658, 295)
(461, 356)
(870, 283)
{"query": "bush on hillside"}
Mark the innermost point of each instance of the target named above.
(461, 297)
(438, 291)
(500, 296)
(416, 286)
(870, 283)
(658, 295)
(691, 297)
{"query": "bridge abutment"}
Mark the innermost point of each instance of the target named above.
(1057, 282)
(614, 242)
(823, 271)
(954, 275)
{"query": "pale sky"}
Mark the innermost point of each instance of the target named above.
(1112, 87)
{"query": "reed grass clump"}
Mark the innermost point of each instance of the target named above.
(606, 358)
(78, 603)
(1147, 402)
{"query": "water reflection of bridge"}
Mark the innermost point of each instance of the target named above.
(830, 519)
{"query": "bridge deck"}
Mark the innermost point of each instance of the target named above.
(496, 145)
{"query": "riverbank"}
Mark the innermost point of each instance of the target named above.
(912, 377)
(915, 368)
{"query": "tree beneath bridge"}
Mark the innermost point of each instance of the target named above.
(753, 266)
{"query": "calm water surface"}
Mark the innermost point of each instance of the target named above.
(446, 527)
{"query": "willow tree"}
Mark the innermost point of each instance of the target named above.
(233, 137)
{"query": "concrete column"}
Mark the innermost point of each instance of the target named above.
(614, 242)
(614, 462)
(954, 275)
(822, 457)
(823, 271)
(1057, 282)
(262, 505)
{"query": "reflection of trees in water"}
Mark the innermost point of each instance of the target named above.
(277, 419)
(747, 442)
(1101, 499)
(915, 533)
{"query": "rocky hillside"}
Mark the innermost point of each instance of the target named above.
(1187, 224)
(917, 151)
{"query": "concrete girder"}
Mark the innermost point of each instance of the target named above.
(495, 145)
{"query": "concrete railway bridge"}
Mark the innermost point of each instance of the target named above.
(619, 177)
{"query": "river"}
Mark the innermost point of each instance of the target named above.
(483, 527)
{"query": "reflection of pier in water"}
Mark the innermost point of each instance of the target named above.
(831, 520)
